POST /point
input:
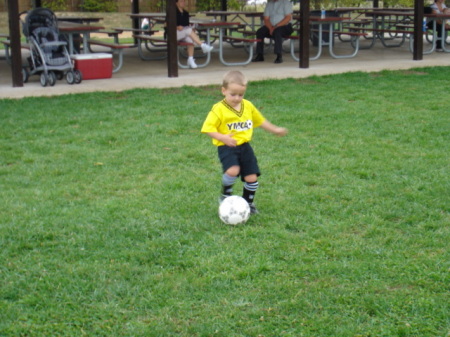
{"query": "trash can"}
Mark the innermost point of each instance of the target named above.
(325, 27)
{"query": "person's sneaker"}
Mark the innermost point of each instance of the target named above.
(191, 63)
(253, 209)
(439, 50)
(206, 48)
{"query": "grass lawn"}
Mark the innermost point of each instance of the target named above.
(109, 226)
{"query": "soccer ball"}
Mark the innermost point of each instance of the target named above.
(234, 210)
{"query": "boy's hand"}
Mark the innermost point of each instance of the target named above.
(280, 132)
(276, 130)
(228, 140)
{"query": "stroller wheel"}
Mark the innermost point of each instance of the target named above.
(70, 77)
(43, 79)
(51, 78)
(25, 75)
(78, 76)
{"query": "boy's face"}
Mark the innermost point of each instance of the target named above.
(234, 94)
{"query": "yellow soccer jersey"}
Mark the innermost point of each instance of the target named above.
(226, 120)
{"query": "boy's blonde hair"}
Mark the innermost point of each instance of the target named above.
(234, 76)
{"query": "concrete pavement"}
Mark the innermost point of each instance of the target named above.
(136, 73)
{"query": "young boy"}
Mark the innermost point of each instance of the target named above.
(230, 124)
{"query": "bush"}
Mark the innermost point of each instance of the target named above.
(55, 5)
(208, 5)
(99, 6)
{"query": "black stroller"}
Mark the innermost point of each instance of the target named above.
(49, 57)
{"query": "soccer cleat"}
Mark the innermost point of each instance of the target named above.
(191, 63)
(206, 48)
(253, 209)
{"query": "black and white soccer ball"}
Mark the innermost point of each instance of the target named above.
(234, 210)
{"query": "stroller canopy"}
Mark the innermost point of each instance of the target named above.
(38, 18)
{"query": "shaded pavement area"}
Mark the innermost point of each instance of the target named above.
(137, 73)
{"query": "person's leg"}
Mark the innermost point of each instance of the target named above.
(195, 38)
(190, 49)
(278, 35)
(249, 191)
(439, 36)
(191, 60)
(249, 172)
(228, 179)
(231, 169)
(206, 48)
(261, 34)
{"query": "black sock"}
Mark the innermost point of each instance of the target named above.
(250, 191)
(227, 190)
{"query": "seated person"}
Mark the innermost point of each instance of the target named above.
(277, 23)
(186, 33)
(439, 7)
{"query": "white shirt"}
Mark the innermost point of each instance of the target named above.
(435, 7)
(277, 10)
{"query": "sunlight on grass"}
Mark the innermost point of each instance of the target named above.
(109, 221)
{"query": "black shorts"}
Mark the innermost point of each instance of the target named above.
(242, 156)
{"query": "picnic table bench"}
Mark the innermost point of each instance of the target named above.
(161, 43)
(404, 31)
(232, 39)
(235, 41)
(136, 30)
(116, 47)
(354, 39)
(380, 32)
(7, 45)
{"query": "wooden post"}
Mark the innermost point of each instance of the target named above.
(418, 30)
(172, 46)
(135, 10)
(135, 22)
(304, 34)
(14, 36)
(223, 5)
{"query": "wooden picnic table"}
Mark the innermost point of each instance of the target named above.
(222, 27)
(208, 27)
(73, 29)
(325, 30)
(80, 19)
(390, 25)
(242, 16)
(149, 16)
(435, 17)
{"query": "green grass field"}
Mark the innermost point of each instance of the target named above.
(109, 226)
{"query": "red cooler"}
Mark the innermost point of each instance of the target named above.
(94, 66)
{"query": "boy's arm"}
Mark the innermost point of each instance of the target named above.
(226, 139)
(276, 130)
